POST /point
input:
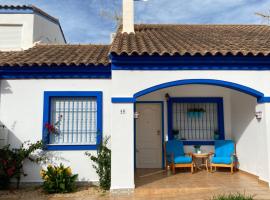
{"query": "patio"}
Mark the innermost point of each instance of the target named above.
(157, 184)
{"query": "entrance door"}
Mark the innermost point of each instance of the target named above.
(149, 135)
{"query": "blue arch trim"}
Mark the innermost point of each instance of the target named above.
(215, 82)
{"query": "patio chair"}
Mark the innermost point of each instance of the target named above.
(224, 155)
(175, 156)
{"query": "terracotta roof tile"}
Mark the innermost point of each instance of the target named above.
(85, 55)
(165, 39)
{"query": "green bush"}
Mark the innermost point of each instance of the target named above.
(58, 179)
(102, 164)
(11, 162)
(236, 196)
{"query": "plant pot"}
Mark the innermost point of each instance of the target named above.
(197, 150)
(216, 137)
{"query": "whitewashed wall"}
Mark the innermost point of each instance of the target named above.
(26, 21)
(127, 83)
(135, 81)
(250, 138)
(21, 111)
(46, 31)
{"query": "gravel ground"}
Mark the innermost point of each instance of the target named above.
(29, 193)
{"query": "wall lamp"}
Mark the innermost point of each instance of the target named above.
(258, 115)
(167, 96)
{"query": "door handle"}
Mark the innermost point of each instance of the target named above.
(158, 132)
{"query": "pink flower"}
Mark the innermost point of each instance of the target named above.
(50, 128)
(10, 171)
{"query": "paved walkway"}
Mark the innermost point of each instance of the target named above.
(157, 184)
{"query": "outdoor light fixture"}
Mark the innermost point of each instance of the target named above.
(167, 96)
(258, 115)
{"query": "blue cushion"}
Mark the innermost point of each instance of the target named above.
(176, 147)
(224, 148)
(181, 159)
(222, 160)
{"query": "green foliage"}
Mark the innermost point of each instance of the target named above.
(58, 179)
(11, 162)
(237, 196)
(102, 164)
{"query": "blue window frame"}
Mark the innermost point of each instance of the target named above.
(196, 120)
(77, 117)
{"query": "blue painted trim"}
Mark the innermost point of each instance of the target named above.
(218, 100)
(162, 127)
(70, 147)
(220, 83)
(264, 100)
(46, 117)
(190, 142)
(197, 62)
(123, 100)
(55, 72)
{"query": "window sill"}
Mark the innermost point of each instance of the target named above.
(70, 147)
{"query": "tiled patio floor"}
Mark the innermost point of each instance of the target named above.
(157, 184)
(201, 185)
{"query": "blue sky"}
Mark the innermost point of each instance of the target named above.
(82, 22)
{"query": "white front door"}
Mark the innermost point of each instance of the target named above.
(149, 135)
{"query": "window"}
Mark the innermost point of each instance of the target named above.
(10, 37)
(196, 120)
(77, 117)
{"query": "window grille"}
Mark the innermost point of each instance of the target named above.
(77, 117)
(195, 121)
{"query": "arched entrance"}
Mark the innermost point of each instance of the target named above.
(239, 110)
(221, 83)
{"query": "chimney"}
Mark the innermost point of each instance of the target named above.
(128, 16)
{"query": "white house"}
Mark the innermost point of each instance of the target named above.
(23, 26)
(138, 91)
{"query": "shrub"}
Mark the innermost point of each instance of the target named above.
(58, 179)
(102, 164)
(11, 162)
(236, 196)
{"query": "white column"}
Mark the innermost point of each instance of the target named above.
(122, 174)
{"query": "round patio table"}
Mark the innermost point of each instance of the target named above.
(204, 160)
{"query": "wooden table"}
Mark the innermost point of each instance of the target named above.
(204, 157)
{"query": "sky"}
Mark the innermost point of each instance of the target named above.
(90, 21)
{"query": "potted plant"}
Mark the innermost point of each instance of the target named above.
(195, 112)
(175, 133)
(216, 135)
(197, 148)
